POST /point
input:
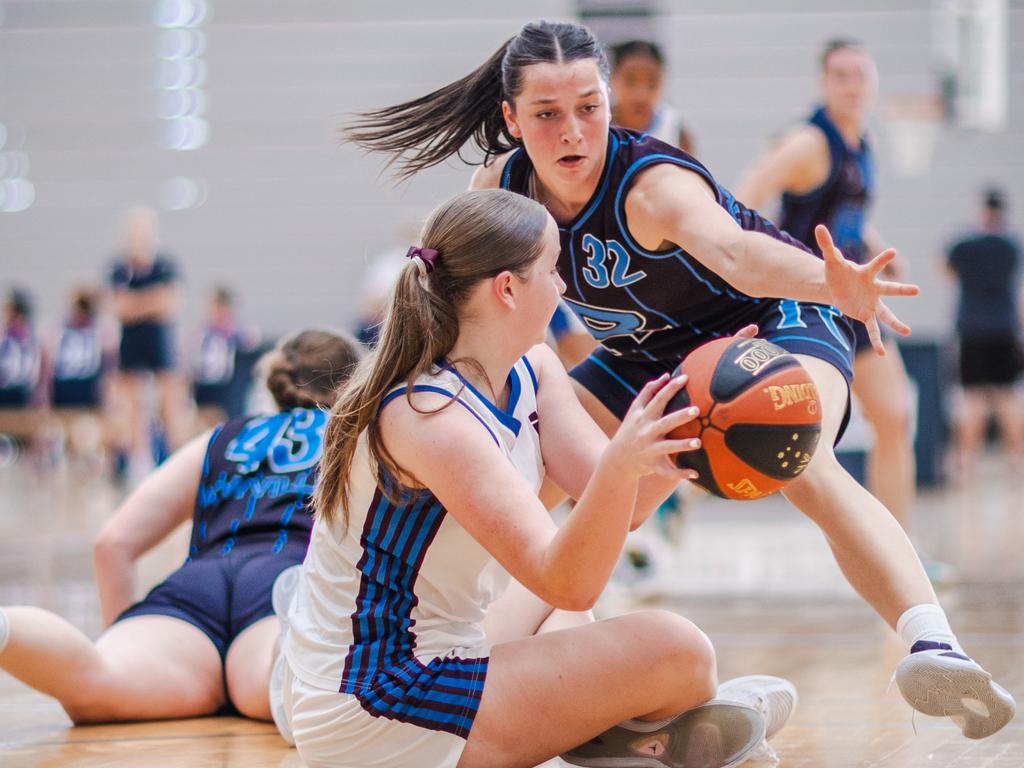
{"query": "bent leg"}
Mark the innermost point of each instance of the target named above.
(174, 408)
(881, 386)
(870, 547)
(143, 668)
(1011, 421)
(971, 421)
(565, 687)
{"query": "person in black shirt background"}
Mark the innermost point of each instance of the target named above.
(986, 264)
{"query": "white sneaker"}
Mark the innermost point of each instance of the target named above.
(713, 735)
(936, 680)
(774, 697)
(281, 598)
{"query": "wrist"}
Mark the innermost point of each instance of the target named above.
(617, 462)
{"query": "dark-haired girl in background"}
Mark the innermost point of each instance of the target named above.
(636, 83)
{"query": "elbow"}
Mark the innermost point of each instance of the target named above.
(109, 548)
(746, 280)
(579, 604)
(575, 600)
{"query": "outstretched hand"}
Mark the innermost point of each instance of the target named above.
(857, 291)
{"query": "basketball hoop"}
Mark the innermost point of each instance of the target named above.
(912, 123)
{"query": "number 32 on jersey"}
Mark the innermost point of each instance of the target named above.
(601, 257)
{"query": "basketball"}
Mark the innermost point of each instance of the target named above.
(759, 417)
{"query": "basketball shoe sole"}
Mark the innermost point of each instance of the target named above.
(709, 736)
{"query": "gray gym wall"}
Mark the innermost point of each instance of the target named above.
(291, 218)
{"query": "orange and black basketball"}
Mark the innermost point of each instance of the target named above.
(759, 420)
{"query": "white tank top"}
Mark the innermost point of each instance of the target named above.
(406, 579)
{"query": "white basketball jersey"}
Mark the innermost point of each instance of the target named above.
(405, 579)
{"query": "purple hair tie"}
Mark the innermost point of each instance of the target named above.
(426, 256)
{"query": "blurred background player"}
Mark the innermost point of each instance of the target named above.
(82, 356)
(216, 368)
(20, 376)
(824, 172)
(208, 628)
(146, 302)
(636, 81)
(986, 265)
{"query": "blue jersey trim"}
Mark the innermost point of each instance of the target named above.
(380, 668)
(505, 417)
(506, 172)
(638, 165)
(533, 376)
(428, 388)
(613, 147)
(209, 448)
(601, 364)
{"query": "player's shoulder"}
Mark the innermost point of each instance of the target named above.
(805, 139)
(542, 359)
(165, 266)
(662, 189)
(118, 270)
(488, 175)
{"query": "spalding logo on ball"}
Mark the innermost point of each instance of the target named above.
(759, 420)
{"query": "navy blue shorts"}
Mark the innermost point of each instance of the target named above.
(991, 362)
(76, 393)
(15, 397)
(216, 395)
(146, 347)
(802, 329)
(861, 341)
(221, 595)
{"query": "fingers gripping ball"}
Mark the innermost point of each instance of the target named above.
(759, 421)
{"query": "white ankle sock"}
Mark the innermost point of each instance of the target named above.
(5, 630)
(926, 622)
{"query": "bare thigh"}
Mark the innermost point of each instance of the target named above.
(549, 693)
(883, 389)
(155, 667)
(247, 668)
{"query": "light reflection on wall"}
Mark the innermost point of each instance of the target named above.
(181, 73)
(182, 193)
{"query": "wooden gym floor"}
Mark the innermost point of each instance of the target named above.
(757, 577)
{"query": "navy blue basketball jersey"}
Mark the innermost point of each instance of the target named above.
(841, 203)
(217, 353)
(124, 275)
(19, 357)
(79, 354)
(257, 480)
(644, 305)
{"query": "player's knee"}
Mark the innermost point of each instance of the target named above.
(817, 479)
(682, 656)
(891, 418)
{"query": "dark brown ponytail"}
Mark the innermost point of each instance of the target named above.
(427, 131)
